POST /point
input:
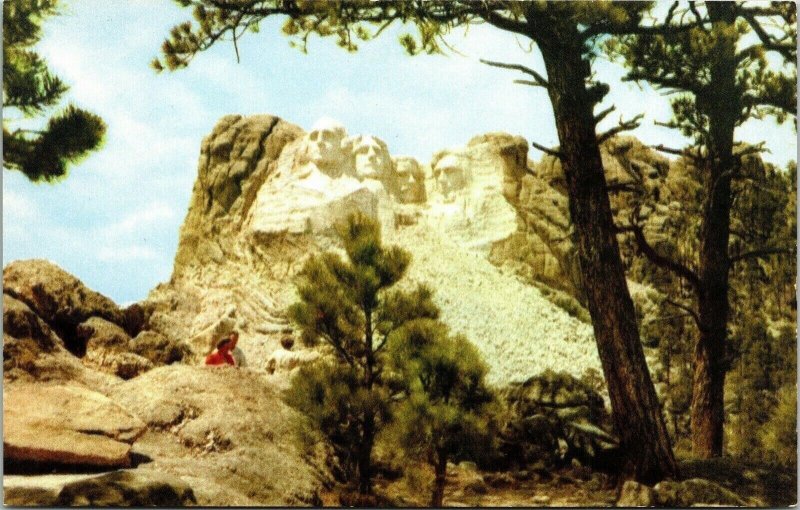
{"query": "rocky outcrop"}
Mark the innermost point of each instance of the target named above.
(267, 196)
(107, 348)
(158, 349)
(226, 432)
(681, 494)
(59, 298)
(116, 489)
(633, 173)
(27, 335)
(66, 425)
(33, 352)
(287, 360)
(554, 418)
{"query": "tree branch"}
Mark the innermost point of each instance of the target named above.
(538, 78)
(658, 259)
(552, 152)
(602, 115)
(686, 153)
(686, 309)
(623, 126)
(499, 21)
(762, 252)
(787, 50)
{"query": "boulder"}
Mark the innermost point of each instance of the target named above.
(107, 349)
(100, 334)
(26, 443)
(25, 336)
(635, 494)
(226, 432)
(555, 418)
(157, 348)
(58, 297)
(118, 489)
(695, 492)
(66, 424)
(127, 488)
(33, 351)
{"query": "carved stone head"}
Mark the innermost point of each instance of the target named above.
(325, 147)
(371, 158)
(409, 180)
(450, 176)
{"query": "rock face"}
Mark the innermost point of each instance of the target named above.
(157, 348)
(632, 169)
(127, 488)
(107, 347)
(66, 425)
(58, 298)
(224, 431)
(267, 196)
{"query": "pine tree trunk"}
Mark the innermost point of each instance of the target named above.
(368, 438)
(638, 419)
(440, 472)
(707, 413)
(365, 457)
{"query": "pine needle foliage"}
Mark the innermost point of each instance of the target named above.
(350, 304)
(446, 410)
(32, 90)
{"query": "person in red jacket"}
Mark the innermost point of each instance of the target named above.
(222, 354)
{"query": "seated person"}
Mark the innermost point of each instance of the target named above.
(222, 354)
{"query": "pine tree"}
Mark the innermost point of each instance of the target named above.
(30, 90)
(350, 306)
(446, 409)
(721, 82)
(567, 35)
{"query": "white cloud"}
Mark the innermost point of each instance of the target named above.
(146, 217)
(18, 207)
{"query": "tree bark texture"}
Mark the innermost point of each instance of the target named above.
(637, 415)
(440, 473)
(365, 457)
(723, 109)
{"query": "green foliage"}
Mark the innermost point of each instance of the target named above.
(446, 411)
(332, 396)
(30, 89)
(722, 73)
(779, 435)
(350, 305)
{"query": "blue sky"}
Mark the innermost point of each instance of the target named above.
(114, 221)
